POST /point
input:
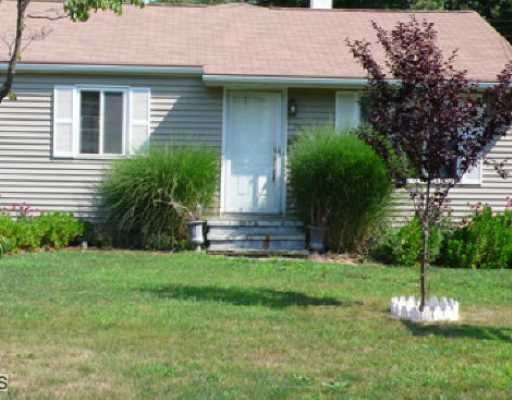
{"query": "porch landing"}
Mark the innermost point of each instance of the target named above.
(257, 236)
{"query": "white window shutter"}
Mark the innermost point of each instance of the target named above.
(348, 110)
(474, 175)
(139, 123)
(64, 121)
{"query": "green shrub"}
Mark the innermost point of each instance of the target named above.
(58, 229)
(5, 245)
(483, 242)
(338, 181)
(7, 234)
(7, 227)
(29, 233)
(147, 199)
(19, 234)
(402, 246)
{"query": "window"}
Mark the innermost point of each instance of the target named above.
(348, 111)
(474, 175)
(94, 122)
(102, 122)
(351, 110)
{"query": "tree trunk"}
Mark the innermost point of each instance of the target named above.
(424, 265)
(425, 226)
(15, 52)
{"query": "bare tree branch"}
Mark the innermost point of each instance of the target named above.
(52, 14)
(21, 39)
(76, 10)
(21, 7)
(41, 34)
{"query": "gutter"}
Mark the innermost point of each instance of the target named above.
(283, 81)
(208, 79)
(95, 69)
(259, 80)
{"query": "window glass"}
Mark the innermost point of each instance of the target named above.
(348, 113)
(113, 123)
(90, 122)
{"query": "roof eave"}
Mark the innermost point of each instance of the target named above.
(213, 80)
(284, 81)
(103, 69)
(294, 81)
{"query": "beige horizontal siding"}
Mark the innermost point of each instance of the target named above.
(183, 111)
(317, 107)
(314, 108)
(493, 189)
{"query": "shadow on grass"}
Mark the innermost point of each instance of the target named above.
(502, 334)
(241, 296)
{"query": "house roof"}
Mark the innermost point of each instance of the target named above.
(241, 39)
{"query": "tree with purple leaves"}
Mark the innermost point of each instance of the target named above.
(429, 122)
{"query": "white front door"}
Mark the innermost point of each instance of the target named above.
(252, 152)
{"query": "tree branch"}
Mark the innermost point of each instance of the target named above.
(16, 49)
(55, 15)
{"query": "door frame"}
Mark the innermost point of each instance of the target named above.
(282, 140)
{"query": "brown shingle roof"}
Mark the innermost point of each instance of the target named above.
(246, 40)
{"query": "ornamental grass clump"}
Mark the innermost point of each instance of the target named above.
(339, 182)
(148, 199)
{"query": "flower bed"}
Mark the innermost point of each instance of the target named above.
(22, 229)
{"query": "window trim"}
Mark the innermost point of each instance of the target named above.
(77, 113)
(71, 150)
(464, 181)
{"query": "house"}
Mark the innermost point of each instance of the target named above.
(240, 78)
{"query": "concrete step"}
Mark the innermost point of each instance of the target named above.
(219, 245)
(238, 236)
(215, 231)
(259, 253)
(229, 222)
(266, 236)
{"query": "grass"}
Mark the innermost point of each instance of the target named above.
(138, 325)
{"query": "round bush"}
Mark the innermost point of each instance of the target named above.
(147, 199)
(338, 181)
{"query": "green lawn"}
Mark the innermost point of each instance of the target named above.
(135, 325)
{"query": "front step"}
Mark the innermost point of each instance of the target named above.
(256, 237)
(261, 253)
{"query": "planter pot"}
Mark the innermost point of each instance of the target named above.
(196, 234)
(317, 238)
